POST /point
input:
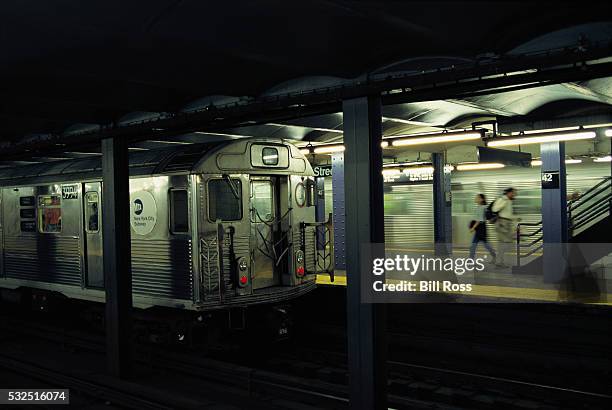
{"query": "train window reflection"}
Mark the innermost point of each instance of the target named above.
(92, 212)
(179, 211)
(261, 200)
(49, 214)
(222, 201)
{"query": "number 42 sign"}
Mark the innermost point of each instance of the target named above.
(550, 180)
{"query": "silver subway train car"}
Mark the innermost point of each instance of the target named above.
(212, 225)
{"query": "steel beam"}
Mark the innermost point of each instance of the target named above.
(117, 255)
(364, 225)
(320, 215)
(339, 211)
(443, 221)
(554, 211)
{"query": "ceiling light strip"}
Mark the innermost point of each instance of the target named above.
(477, 166)
(542, 138)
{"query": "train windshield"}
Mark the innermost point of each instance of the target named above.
(224, 200)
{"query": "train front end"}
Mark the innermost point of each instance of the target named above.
(258, 241)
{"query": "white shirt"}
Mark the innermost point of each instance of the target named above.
(503, 207)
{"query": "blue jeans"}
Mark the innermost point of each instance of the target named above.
(475, 241)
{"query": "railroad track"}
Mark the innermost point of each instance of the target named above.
(96, 390)
(318, 378)
(449, 384)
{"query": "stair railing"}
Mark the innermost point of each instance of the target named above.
(589, 207)
(535, 244)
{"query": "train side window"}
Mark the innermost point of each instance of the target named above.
(49, 214)
(92, 212)
(179, 211)
(225, 199)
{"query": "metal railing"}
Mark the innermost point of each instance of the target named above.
(592, 206)
(535, 244)
(322, 255)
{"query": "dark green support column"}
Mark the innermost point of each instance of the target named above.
(363, 190)
(117, 255)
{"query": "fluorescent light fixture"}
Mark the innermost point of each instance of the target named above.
(384, 144)
(540, 138)
(419, 170)
(329, 149)
(391, 171)
(607, 124)
(538, 162)
(436, 138)
(608, 132)
(305, 151)
(476, 166)
(405, 164)
(607, 158)
(547, 130)
(387, 171)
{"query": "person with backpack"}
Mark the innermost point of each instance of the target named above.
(479, 228)
(505, 220)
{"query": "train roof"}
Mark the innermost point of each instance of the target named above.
(182, 159)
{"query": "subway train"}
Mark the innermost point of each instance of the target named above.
(213, 226)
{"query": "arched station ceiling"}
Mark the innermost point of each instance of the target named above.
(69, 66)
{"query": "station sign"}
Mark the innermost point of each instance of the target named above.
(322, 170)
(550, 180)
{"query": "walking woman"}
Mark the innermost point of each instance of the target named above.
(478, 227)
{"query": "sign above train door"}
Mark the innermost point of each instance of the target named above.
(143, 212)
(70, 191)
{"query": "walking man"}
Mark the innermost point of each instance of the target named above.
(505, 224)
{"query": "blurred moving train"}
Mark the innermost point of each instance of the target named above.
(212, 225)
(415, 202)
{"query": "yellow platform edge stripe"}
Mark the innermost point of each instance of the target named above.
(543, 295)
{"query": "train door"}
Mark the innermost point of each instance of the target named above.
(265, 217)
(92, 200)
